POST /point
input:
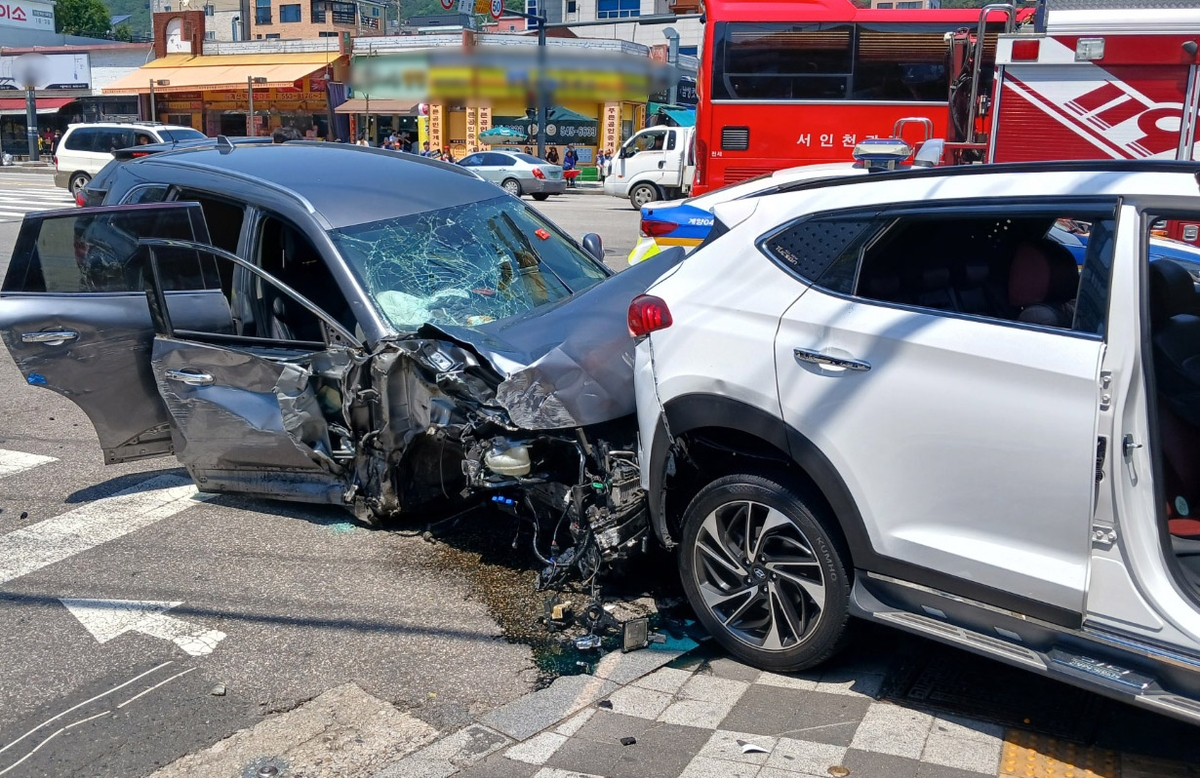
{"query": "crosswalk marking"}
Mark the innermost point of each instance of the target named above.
(12, 462)
(31, 548)
(16, 202)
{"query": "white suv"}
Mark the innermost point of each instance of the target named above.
(86, 148)
(898, 398)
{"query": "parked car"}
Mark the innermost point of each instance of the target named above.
(912, 405)
(517, 173)
(341, 324)
(85, 149)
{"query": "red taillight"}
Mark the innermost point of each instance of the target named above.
(80, 199)
(1026, 50)
(701, 162)
(647, 314)
(537, 173)
(141, 153)
(652, 228)
(55, 158)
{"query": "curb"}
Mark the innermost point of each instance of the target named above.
(27, 169)
(527, 716)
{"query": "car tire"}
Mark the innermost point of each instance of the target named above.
(642, 194)
(78, 181)
(512, 186)
(540, 197)
(796, 610)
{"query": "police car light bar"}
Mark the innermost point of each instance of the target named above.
(882, 153)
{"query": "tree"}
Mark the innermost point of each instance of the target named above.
(122, 33)
(82, 17)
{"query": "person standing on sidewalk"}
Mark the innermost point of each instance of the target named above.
(568, 165)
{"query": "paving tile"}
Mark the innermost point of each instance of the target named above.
(662, 750)
(805, 757)
(893, 729)
(968, 729)
(851, 682)
(713, 689)
(453, 752)
(724, 667)
(623, 668)
(981, 756)
(927, 770)
(586, 756)
(1137, 766)
(666, 679)
(696, 713)
(572, 725)
(811, 716)
(724, 745)
(867, 764)
(802, 681)
(537, 749)
(497, 766)
(554, 772)
(532, 713)
(774, 772)
(605, 726)
(643, 703)
(705, 767)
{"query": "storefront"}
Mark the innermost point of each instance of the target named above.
(212, 94)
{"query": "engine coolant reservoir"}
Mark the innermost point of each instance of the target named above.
(508, 459)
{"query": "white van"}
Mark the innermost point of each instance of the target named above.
(657, 163)
(85, 148)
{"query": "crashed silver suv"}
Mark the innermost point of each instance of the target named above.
(341, 325)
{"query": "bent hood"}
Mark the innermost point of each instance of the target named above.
(569, 364)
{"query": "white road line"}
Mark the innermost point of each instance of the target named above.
(17, 763)
(31, 548)
(155, 686)
(18, 461)
(86, 702)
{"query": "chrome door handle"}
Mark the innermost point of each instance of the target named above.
(49, 337)
(189, 378)
(817, 358)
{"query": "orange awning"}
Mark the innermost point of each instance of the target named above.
(185, 73)
(382, 107)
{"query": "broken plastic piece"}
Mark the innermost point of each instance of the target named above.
(588, 642)
(606, 704)
(542, 233)
(635, 634)
(628, 741)
(751, 748)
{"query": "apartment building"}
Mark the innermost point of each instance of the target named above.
(316, 18)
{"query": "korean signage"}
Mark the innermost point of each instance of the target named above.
(610, 130)
(56, 71)
(27, 15)
(436, 127)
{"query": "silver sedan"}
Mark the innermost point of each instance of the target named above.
(518, 173)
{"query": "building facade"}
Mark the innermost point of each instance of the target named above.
(289, 19)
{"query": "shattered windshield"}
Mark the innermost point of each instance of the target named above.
(465, 266)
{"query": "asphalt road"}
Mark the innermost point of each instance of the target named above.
(288, 600)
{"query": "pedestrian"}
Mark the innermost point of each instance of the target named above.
(568, 165)
(601, 162)
(405, 143)
(425, 152)
(57, 140)
(284, 134)
(552, 156)
(446, 155)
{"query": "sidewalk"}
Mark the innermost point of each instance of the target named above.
(31, 168)
(659, 714)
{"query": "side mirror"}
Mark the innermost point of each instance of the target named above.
(594, 246)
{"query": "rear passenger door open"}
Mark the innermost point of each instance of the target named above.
(74, 318)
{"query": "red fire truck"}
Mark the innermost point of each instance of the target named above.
(1086, 79)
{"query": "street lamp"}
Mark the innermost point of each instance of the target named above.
(153, 82)
(250, 82)
(672, 36)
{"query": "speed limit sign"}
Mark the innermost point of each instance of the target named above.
(448, 4)
(497, 8)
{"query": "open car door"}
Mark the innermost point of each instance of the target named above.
(253, 409)
(73, 315)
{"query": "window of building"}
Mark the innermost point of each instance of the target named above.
(262, 11)
(209, 35)
(618, 9)
(572, 6)
(209, 10)
(326, 34)
(343, 13)
(271, 36)
(289, 13)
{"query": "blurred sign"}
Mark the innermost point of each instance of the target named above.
(27, 15)
(51, 71)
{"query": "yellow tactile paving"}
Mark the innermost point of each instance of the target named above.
(1037, 756)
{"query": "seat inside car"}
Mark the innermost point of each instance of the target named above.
(1043, 281)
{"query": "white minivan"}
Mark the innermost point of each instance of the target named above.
(85, 148)
(657, 163)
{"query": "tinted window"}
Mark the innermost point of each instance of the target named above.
(155, 193)
(493, 159)
(530, 159)
(466, 265)
(82, 139)
(1014, 264)
(96, 252)
(224, 218)
(824, 250)
(779, 61)
(178, 135)
(472, 161)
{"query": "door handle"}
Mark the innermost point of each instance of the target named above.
(661, 162)
(189, 378)
(817, 358)
(49, 337)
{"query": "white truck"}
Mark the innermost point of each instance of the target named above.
(657, 163)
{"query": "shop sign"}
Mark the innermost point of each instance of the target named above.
(28, 15)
